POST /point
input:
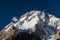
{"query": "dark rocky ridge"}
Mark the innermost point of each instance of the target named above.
(14, 34)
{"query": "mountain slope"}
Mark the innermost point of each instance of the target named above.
(33, 25)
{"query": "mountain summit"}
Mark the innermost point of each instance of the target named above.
(33, 25)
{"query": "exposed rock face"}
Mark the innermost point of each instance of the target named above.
(34, 25)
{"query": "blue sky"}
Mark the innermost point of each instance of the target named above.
(11, 8)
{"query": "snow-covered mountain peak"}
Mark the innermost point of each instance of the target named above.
(30, 19)
(43, 24)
